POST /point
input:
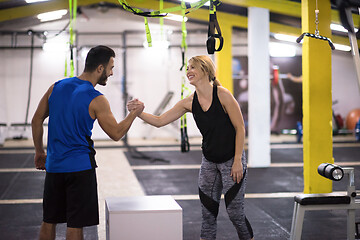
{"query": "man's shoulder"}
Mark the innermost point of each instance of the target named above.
(64, 81)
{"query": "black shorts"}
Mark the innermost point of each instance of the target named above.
(71, 198)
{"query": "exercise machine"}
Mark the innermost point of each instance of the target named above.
(328, 201)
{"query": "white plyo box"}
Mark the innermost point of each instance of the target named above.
(143, 217)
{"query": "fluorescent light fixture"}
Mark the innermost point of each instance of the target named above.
(175, 17)
(163, 44)
(34, 1)
(342, 47)
(281, 50)
(51, 15)
(193, 1)
(56, 45)
(339, 28)
(284, 37)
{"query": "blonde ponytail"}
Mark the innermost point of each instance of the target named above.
(216, 82)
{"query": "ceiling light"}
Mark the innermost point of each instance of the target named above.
(162, 44)
(339, 28)
(51, 15)
(56, 45)
(175, 17)
(281, 50)
(284, 37)
(342, 47)
(34, 1)
(193, 1)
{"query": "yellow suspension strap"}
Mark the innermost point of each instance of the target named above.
(316, 35)
(161, 20)
(185, 145)
(158, 13)
(147, 31)
(162, 12)
(137, 11)
(72, 13)
(213, 24)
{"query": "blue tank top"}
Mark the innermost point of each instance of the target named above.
(218, 144)
(70, 148)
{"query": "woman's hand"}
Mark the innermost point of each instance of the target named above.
(237, 170)
(136, 106)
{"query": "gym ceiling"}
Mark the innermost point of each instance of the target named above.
(285, 15)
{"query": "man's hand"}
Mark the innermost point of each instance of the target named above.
(39, 160)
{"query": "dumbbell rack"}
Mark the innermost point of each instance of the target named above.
(327, 201)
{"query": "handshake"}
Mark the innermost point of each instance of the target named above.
(135, 106)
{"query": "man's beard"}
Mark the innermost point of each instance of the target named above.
(102, 79)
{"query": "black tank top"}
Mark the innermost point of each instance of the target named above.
(218, 144)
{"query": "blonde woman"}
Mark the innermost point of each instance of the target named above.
(223, 168)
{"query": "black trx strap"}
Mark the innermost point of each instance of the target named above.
(183, 59)
(141, 13)
(185, 145)
(213, 24)
(343, 5)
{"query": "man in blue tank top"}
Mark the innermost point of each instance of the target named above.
(72, 105)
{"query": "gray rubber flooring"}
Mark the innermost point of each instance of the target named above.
(22, 221)
(270, 217)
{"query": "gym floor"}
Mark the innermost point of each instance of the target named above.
(269, 195)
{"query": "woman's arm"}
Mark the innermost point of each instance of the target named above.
(169, 116)
(233, 110)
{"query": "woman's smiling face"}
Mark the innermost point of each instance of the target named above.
(194, 73)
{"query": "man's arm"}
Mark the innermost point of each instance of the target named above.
(41, 113)
(100, 109)
(180, 108)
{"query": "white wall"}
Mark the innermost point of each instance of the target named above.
(150, 74)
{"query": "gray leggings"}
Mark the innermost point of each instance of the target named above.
(213, 179)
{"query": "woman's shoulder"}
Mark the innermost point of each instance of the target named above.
(187, 102)
(223, 93)
(190, 98)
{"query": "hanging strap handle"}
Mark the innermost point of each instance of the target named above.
(317, 33)
(213, 24)
(306, 34)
